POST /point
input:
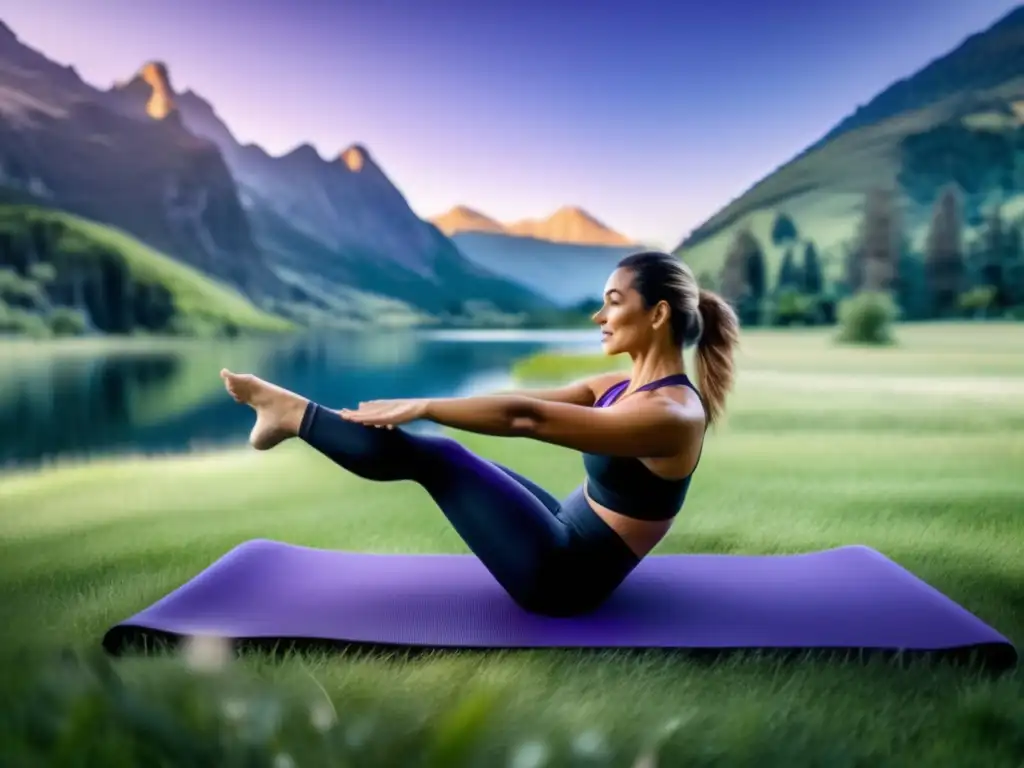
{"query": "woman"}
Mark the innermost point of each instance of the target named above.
(641, 439)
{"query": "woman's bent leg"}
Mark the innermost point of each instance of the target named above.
(545, 498)
(513, 533)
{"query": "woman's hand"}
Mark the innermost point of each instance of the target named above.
(387, 413)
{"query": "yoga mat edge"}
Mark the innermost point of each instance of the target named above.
(846, 599)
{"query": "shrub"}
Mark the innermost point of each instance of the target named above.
(42, 272)
(867, 318)
(20, 292)
(979, 301)
(792, 307)
(66, 321)
(19, 322)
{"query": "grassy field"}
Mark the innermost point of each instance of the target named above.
(914, 450)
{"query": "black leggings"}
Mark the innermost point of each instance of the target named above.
(554, 558)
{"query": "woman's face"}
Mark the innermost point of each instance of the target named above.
(623, 319)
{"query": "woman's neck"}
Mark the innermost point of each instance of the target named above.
(654, 365)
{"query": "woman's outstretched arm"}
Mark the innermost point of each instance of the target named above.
(500, 415)
(580, 392)
(576, 393)
(503, 415)
(648, 425)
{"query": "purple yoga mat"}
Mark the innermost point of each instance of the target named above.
(846, 598)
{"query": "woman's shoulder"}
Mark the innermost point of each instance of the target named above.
(602, 382)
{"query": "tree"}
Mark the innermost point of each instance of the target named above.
(790, 275)
(812, 278)
(944, 261)
(743, 281)
(707, 280)
(995, 259)
(733, 280)
(853, 267)
(784, 230)
(879, 242)
(757, 278)
(1014, 266)
(912, 295)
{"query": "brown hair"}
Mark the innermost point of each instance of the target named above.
(698, 317)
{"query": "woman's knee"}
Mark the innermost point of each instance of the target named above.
(438, 455)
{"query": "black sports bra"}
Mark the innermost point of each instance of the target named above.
(625, 484)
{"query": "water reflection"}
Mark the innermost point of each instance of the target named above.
(170, 398)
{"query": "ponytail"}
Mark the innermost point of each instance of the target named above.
(720, 335)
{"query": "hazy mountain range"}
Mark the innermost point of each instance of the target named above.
(567, 273)
(290, 232)
(569, 224)
(302, 234)
(566, 256)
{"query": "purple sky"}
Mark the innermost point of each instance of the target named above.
(651, 114)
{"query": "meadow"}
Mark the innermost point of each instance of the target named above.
(914, 449)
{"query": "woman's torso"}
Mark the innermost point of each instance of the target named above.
(641, 536)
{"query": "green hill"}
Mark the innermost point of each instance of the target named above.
(958, 121)
(62, 273)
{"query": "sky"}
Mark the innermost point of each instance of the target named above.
(649, 114)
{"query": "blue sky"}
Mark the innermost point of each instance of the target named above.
(650, 114)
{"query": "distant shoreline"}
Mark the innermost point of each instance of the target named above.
(14, 344)
(28, 346)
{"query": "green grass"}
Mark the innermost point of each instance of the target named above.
(914, 450)
(195, 294)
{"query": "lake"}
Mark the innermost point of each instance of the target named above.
(99, 397)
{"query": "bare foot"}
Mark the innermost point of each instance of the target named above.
(278, 411)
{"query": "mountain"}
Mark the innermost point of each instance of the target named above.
(566, 257)
(566, 273)
(61, 144)
(569, 224)
(960, 119)
(306, 237)
(462, 218)
(332, 225)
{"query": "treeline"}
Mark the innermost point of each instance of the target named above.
(55, 280)
(52, 278)
(984, 276)
(952, 276)
(796, 295)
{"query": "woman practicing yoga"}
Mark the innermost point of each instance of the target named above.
(640, 438)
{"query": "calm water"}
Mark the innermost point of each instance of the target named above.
(75, 401)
